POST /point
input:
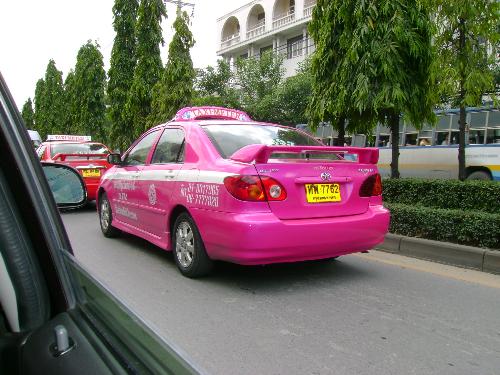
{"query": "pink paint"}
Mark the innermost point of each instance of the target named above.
(146, 197)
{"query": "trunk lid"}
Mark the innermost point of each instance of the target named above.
(320, 181)
(90, 166)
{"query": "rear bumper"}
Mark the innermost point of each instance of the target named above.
(91, 189)
(262, 238)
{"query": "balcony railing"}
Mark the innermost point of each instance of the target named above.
(256, 29)
(230, 40)
(308, 10)
(284, 19)
(259, 28)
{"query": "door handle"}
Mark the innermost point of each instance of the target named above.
(170, 173)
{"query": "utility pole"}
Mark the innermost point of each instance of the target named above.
(181, 4)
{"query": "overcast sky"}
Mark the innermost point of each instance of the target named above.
(33, 32)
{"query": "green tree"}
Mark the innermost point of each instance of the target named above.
(466, 32)
(149, 66)
(214, 86)
(39, 109)
(258, 77)
(374, 59)
(325, 70)
(28, 114)
(89, 90)
(287, 103)
(71, 105)
(175, 89)
(121, 71)
(49, 101)
(53, 98)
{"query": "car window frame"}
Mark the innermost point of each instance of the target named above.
(41, 151)
(41, 218)
(136, 143)
(181, 151)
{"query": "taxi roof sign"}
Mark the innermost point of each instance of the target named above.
(207, 112)
(65, 137)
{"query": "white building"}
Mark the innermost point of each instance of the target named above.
(262, 25)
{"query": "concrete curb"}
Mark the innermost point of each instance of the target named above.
(443, 252)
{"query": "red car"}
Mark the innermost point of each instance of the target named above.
(89, 158)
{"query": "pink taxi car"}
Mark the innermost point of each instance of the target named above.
(214, 185)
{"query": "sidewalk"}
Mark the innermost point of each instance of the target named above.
(443, 252)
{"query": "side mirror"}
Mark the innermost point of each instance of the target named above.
(114, 159)
(66, 184)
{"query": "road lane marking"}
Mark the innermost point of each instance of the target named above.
(452, 272)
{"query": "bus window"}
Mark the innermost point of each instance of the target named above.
(443, 123)
(384, 140)
(326, 141)
(358, 140)
(411, 139)
(442, 138)
(454, 137)
(493, 136)
(477, 120)
(476, 137)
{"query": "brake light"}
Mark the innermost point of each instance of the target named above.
(273, 189)
(255, 188)
(372, 186)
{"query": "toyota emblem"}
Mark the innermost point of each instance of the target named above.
(325, 176)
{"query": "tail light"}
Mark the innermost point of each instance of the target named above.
(255, 188)
(372, 186)
(273, 189)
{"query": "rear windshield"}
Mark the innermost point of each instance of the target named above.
(78, 148)
(230, 138)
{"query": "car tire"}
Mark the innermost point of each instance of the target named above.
(106, 217)
(188, 248)
(479, 175)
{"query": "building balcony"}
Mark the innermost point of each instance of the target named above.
(284, 19)
(261, 20)
(308, 10)
(256, 29)
(230, 40)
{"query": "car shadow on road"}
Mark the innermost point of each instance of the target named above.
(273, 277)
(343, 270)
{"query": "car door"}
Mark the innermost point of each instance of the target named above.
(125, 188)
(159, 182)
(55, 318)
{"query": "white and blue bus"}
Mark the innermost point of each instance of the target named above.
(432, 152)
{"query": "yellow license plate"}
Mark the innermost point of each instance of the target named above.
(91, 173)
(320, 193)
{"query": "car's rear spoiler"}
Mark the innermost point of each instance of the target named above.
(62, 157)
(261, 153)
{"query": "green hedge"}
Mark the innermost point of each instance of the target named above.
(473, 228)
(446, 194)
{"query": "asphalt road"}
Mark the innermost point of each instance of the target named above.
(362, 314)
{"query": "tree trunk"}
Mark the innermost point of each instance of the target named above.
(462, 125)
(341, 130)
(394, 125)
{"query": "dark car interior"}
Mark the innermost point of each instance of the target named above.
(55, 318)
